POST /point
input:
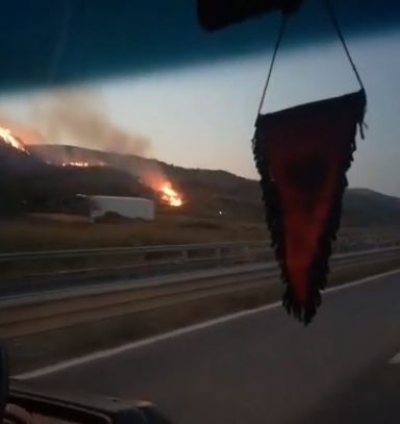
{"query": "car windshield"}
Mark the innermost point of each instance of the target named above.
(154, 213)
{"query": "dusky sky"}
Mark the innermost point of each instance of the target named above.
(195, 95)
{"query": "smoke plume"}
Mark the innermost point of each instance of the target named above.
(79, 118)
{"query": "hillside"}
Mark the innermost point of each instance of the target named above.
(29, 183)
(205, 192)
(363, 207)
(208, 192)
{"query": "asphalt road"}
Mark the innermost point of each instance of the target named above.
(265, 367)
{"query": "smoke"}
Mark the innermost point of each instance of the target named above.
(79, 118)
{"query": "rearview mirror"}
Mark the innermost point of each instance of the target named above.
(29, 404)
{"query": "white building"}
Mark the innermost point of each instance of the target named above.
(129, 207)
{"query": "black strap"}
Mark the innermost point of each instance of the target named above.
(61, 41)
(271, 66)
(335, 23)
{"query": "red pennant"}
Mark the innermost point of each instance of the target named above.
(302, 155)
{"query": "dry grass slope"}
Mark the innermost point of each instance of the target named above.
(40, 234)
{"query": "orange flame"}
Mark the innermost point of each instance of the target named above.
(82, 164)
(170, 196)
(5, 134)
(76, 164)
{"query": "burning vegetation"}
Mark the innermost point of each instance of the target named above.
(75, 164)
(170, 196)
(8, 138)
(81, 164)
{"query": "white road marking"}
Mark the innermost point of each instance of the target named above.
(176, 333)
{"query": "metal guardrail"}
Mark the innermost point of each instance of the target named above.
(74, 253)
(238, 274)
(83, 263)
(29, 272)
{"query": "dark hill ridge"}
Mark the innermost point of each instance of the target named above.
(206, 192)
(28, 183)
(364, 207)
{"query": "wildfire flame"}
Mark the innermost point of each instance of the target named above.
(5, 134)
(82, 164)
(170, 196)
(76, 164)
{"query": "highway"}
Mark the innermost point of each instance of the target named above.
(263, 367)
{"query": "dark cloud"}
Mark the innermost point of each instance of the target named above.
(134, 36)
